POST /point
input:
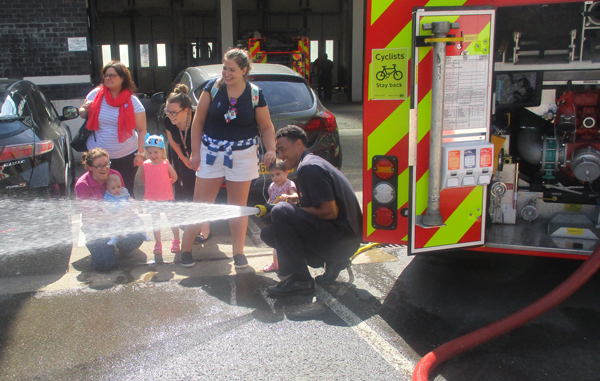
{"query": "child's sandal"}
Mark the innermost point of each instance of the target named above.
(270, 268)
(157, 248)
(175, 248)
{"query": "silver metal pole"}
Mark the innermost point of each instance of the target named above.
(433, 216)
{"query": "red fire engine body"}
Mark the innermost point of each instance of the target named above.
(481, 126)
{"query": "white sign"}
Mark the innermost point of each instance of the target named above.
(77, 44)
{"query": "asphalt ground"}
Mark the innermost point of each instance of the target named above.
(147, 322)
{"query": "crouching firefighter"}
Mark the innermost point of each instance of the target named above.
(323, 229)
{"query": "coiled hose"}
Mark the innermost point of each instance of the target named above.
(443, 353)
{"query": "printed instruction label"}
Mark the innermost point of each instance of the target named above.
(453, 160)
(470, 158)
(574, 231)
(466, 92)
(485, 157)
(389, 74)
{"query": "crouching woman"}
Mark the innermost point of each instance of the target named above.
(89, 192)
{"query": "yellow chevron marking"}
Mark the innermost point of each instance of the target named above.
(460, 221)
(370, 228)
(403, 39)
(421, 194)
(378, 7)
(484, 34)
(253, 49)
(445, 3)
(403, 184)
(389, 132)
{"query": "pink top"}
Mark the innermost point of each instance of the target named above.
(276, 191)
(86, 188)
(158, 182)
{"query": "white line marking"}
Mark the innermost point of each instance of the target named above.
(387, 351)
(351, 132)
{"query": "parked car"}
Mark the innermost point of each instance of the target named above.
(290, 98)
(35, 167)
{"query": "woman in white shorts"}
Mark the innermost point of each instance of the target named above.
(231, 114)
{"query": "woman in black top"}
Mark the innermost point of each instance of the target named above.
(178, 123)
(179, 120)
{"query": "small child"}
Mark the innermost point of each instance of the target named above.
(281, 189)
(119, 198)
(159, 175)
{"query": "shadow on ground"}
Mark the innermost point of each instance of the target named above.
(440, 297)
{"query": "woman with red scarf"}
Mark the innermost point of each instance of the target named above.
(118, 121)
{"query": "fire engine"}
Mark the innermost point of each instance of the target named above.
(295, 55)
(481, 126)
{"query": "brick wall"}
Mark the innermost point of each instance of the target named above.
(33, 42)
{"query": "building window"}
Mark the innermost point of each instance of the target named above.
(314, 50)
(161, 53)
(124, 54)
(144, 55)
(329, 49)
(197, 52)
(106, 54)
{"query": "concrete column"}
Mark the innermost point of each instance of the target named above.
(358, 46)
(226, 12)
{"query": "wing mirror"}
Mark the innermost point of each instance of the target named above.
(69, 112)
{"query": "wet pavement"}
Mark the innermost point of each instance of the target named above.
(211, 322)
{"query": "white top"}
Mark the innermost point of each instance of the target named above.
(107, 136)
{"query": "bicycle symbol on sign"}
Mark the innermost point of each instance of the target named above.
(387, 72)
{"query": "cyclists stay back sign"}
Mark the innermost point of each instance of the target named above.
(389, 74)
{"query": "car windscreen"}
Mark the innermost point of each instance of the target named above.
(285, 96)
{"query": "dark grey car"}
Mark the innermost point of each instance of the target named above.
(36, 179)
(291, 101)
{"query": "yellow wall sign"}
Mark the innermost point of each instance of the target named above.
(389, 75)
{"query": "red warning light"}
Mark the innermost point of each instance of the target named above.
(384, 216)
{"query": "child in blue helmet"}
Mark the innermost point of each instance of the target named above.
(158, 175)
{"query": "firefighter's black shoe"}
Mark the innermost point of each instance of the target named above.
(290, 286)
(332, 270)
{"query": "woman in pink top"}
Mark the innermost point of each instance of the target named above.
(158, 176)
(92, 186)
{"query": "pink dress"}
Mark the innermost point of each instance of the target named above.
(158, 182)
(276, 191)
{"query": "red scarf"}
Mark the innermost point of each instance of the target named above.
(126, 122)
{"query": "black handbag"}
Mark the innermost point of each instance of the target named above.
(79, 142)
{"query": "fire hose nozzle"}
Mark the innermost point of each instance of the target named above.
(263, 209)
(266, 208)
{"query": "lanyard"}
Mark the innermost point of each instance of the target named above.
(184, 137)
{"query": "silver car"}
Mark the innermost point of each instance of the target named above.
(291, 101)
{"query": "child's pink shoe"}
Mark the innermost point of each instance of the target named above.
(157, 248)
(270, 268)
(175, 246)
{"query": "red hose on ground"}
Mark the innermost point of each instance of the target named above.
(439, 355)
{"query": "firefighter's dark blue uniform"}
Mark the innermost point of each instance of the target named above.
(302, 239)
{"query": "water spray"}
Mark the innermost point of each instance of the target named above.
(27, 225)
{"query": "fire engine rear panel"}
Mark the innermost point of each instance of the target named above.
(520, 158)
